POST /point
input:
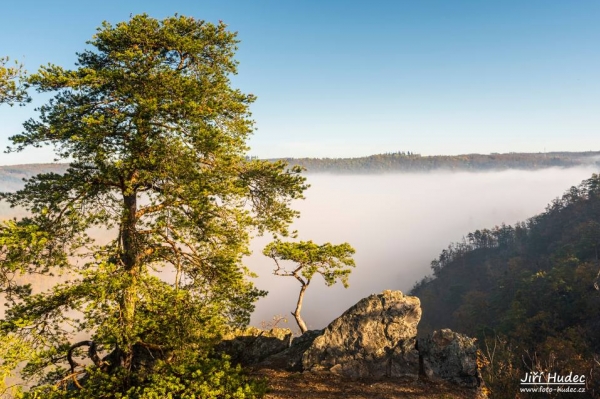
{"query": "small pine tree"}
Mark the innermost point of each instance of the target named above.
(332, 262)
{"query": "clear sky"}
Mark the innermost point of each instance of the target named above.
(354, 78)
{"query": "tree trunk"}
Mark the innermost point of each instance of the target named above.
(129, 258)
(296, 313)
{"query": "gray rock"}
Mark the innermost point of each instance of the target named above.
(291, 358)
(374, 338)
(450, 356)
(252, 345)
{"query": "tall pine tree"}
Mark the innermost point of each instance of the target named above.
(156, 140)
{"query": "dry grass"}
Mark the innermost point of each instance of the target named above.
(287, 385)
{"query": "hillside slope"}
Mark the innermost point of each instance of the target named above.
(526, 291)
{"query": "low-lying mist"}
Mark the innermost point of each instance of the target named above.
(398, 224)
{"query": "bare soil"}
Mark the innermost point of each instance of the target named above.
(292, 385)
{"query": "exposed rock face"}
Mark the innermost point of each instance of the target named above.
(253, 345)
(291, 358)
(374, 338)
(450, 356)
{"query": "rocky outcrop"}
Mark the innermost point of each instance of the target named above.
(291, 358)
(253, 345)
(374, 338)
(450, 356)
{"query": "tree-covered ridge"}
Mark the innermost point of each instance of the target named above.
(380, 163)
(411, 162)
(529, 290)
(11, 176)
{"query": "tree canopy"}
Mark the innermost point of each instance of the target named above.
(12, 90)
(156, 140)
(13, 349)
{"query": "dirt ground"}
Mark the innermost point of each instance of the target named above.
(289, 385)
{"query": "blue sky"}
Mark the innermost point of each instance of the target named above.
(349, 78)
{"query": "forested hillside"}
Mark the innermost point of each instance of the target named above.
(529, 292)
(411, 162)
(11, 176)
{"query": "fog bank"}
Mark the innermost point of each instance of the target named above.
(398, 224)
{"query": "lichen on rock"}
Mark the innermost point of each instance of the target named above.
(375, 338)
(450, 356)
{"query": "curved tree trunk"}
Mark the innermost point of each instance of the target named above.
(296, 313)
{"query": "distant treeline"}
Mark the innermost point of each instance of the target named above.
(11, 177)
(411, 162)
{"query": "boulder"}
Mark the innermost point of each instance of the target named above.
(291, 358)
(252, 345)
(375, 338)
(450, 356)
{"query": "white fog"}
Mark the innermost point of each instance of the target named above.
(398, 224)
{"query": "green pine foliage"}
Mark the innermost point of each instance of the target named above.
(529, 292)
(13, 348)
(156, 140)
(12, 86)
(196, 378)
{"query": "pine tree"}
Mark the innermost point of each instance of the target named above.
(12, 88)
(156, 140)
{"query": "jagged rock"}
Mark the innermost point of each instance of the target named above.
(374, 338)
(252, 345)
(450, 356)
(291, 358)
